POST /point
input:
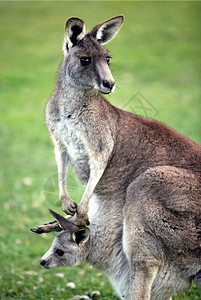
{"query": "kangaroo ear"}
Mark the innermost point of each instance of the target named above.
(107, 30)
(64, 223)
(74, 32)
(81, 236)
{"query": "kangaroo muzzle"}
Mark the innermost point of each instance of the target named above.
(108, 86)
(105, 82)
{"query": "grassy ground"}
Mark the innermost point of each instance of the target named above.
(156, 63)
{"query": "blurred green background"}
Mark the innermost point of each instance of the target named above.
(156, 64)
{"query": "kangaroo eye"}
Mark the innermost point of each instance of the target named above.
(85, 61)
(108, 60)
(60, 252)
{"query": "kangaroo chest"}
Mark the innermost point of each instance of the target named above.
(70, 135)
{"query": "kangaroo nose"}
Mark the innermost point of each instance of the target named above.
(108, 84)
(42, 262)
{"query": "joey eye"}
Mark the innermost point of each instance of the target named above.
(85, 61)
(59, 252)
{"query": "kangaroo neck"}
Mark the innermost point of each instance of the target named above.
(71, 95)
(67, 91)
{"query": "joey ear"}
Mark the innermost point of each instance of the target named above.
(81, 236)
(64, 223)
(74, 32)
(107, 30)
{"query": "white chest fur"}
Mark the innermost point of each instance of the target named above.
(69, 135)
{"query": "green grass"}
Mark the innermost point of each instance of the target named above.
(156, 56)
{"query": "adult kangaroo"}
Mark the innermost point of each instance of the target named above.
(143, 176)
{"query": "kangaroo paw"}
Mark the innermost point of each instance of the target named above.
(48, 227)
(82, 220)
(68, 206)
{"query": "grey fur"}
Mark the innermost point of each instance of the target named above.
(73, 111)
(144, 178)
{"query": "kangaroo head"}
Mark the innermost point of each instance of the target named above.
(69, 248)
(86, 61)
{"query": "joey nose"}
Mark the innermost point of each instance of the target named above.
(108, 84)
(42, 262)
